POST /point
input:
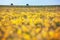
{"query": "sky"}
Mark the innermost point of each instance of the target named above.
(30, 2)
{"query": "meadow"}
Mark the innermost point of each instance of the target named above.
(30, 23)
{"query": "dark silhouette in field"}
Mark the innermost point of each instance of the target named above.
(11, 3)
(27, 4)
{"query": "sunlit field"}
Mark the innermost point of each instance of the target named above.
(29, 22)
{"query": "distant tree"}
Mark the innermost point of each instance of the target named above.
(27, 4)
(11, 3)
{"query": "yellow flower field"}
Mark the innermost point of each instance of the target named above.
(29, 23)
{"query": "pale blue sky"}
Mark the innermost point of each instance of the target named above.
(30, 2)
